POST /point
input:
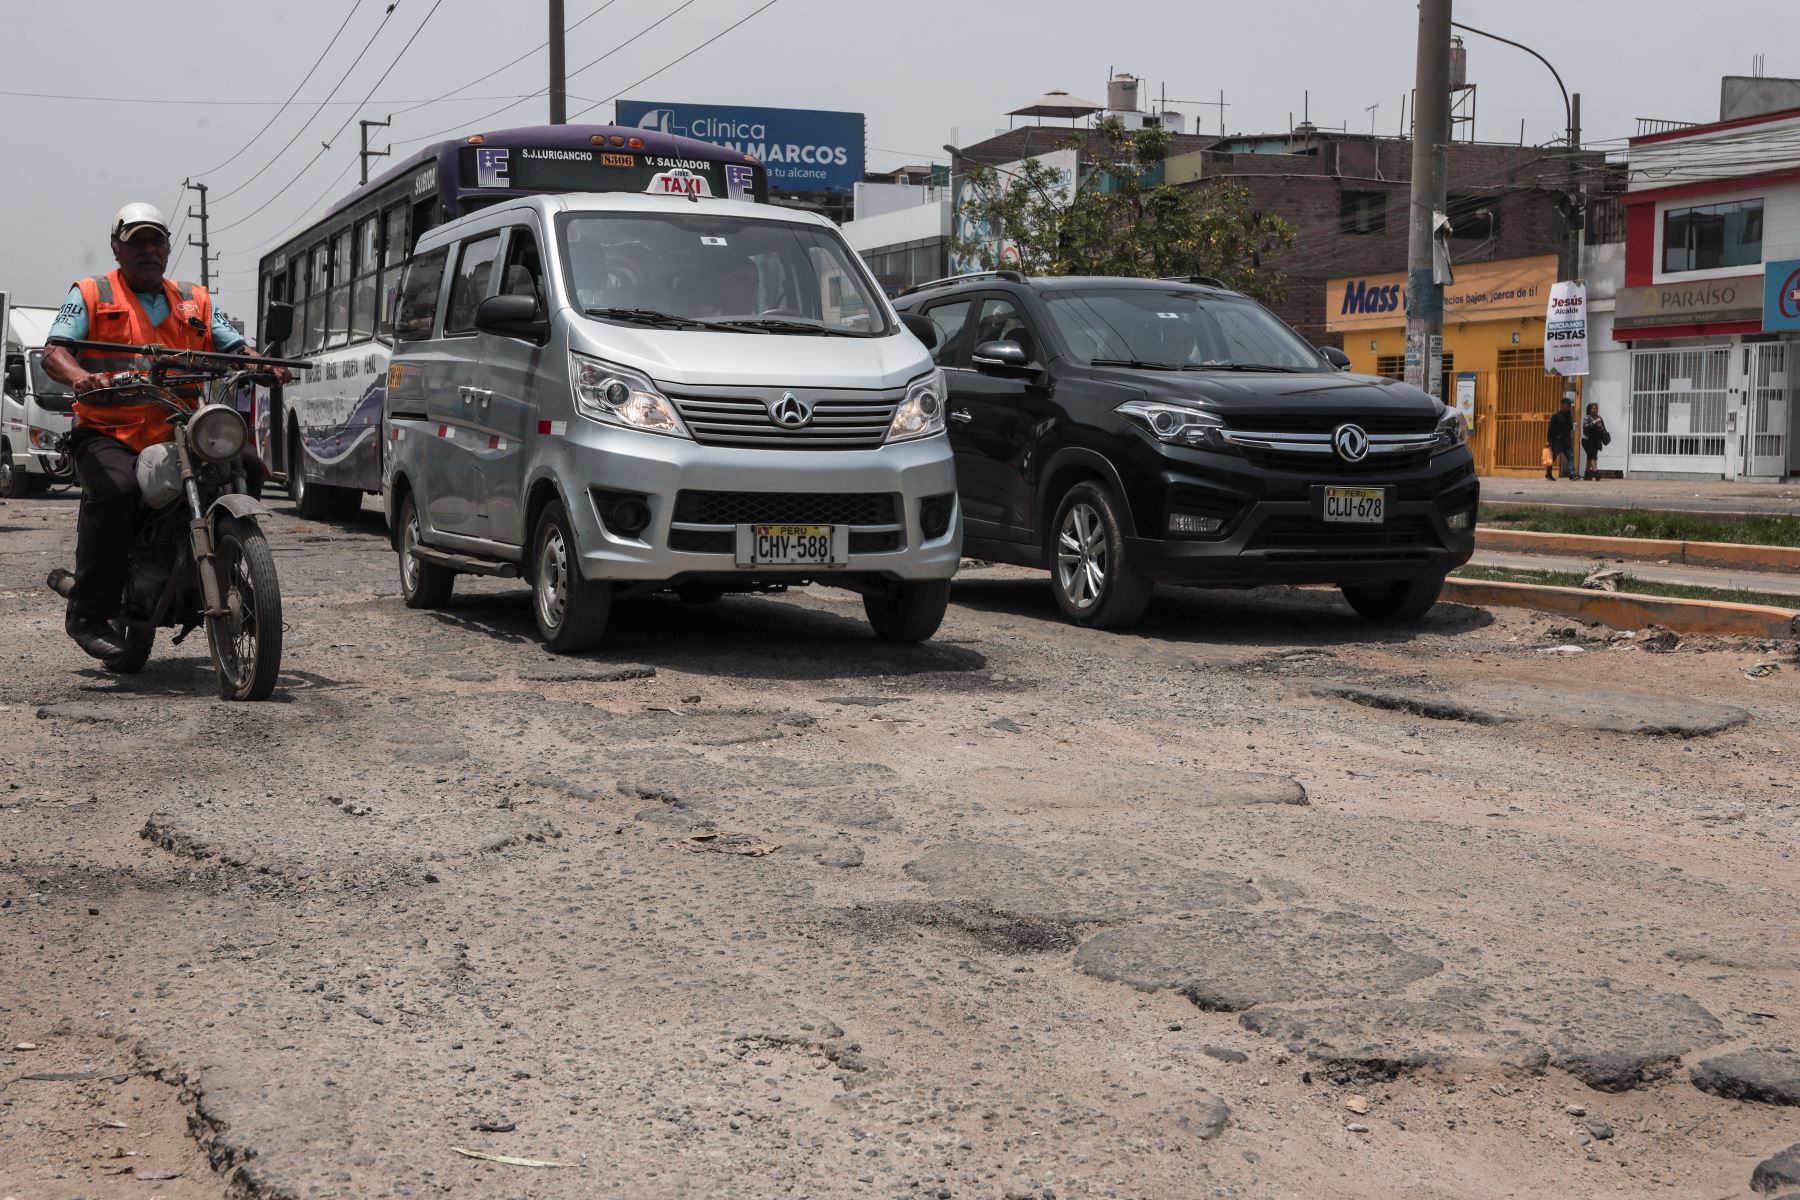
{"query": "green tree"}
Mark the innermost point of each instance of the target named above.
(1118, 217)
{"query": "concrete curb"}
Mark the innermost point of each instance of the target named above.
(1628, 510)
(1699, 554)
(1623, 610)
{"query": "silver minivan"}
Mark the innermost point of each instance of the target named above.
(616, 394)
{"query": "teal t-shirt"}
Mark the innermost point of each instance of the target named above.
(71, 322)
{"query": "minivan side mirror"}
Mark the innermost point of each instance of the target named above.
(511, 315)
(921, 327)
(278, 325)
(1001, 358)
(1335, 357)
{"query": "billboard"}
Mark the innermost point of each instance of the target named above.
(806, 150)
(1483, 291)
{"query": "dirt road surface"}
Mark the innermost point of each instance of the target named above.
(1255, 901)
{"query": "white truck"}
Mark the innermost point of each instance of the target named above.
(35, 410)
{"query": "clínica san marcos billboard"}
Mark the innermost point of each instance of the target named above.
(1483, 291)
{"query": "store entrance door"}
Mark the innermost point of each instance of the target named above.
(1766, 393)
(1524, 400)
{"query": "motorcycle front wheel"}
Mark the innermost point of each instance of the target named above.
(246, 641)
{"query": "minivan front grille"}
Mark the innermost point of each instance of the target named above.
(808, 508)
(837, 422)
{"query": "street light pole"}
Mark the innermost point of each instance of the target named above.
(559, 83)
(1430, 170)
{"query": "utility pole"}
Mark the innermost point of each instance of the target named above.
(1430, 170)
(559, 83)
(365, 154)
(204, 243)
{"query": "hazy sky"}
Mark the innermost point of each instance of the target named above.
(923, 71)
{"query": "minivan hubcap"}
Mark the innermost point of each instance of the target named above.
(553, 580)
(1081, 556)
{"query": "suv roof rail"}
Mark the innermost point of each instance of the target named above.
(1010, 276)
(1205, 280)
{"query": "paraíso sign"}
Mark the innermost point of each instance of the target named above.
(806, 150)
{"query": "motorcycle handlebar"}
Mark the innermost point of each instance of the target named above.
(158, 353)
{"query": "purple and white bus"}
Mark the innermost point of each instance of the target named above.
(322, 433)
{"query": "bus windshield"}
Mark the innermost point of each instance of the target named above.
(709, 269)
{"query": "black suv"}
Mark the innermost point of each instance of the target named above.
(1124, 432)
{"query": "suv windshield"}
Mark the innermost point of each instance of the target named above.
(49, 394)
(1176, 329)
(736, 273)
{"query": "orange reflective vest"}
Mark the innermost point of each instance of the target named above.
(116, 315)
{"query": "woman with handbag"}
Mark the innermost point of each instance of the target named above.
(1594, 435)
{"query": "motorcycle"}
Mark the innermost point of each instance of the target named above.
(199, 556)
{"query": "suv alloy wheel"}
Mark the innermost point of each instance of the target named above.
(1095, 583)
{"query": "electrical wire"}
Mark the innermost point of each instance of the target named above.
(652, 75)
(340, 129)
(462, 125)
(138, 100)
(515, 62)
(369, 45)
(284, 104)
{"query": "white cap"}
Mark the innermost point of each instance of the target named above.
(134, 217)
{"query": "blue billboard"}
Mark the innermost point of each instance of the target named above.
(1781, 295)
(805, 149)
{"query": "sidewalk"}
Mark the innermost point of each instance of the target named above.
(1704, 496)
(1779, 584)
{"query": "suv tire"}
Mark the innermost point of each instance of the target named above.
(1396, 600)
(422, 584)
(911, 613)
(571, 610)
(1095, 582)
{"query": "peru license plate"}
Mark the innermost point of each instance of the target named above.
(793, 545)
(1356, 506)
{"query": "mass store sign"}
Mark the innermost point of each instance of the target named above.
(805, 150)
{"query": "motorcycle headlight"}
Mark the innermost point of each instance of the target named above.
(217, 433)
(1452, 430)
(921, 414)
(1174, 425)
(615, 395)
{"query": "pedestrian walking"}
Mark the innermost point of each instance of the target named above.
(1594, 436)
(1560, 440)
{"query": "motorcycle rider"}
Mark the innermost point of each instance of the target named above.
(136, 304)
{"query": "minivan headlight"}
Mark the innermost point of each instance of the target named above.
(1452, 430)
(615, 395)
(921, 414)
(1175, 425)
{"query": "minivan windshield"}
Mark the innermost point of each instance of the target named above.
(47, 392)
(692, 268)
(1176, 329)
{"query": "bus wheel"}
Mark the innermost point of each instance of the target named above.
(311, 500)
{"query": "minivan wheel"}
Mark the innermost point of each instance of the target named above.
(1095, 582)
(571, 610)
(912, 612)
(422, 584)
(1396, 600)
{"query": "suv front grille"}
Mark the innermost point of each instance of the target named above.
(808, 508)
(1326, 422)
(1303, 539)
(838, 422)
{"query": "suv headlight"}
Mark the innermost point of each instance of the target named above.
(1452, 430)
(1176, 425)
(615, 395)
(921, 414)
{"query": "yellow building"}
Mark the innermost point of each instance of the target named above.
(1493, 349)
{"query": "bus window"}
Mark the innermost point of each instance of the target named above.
(415, 312)
(318, 279)
(424, 216)
(274, 292)
(470, 285)
(395, 246)
(366, 280)
(338, 327)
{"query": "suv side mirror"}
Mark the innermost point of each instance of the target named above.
(278, 325)
(1337, 358)
(921, 327)
(510, 315)
(1001, 358)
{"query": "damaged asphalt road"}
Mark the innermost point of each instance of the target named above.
(1257, 901)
